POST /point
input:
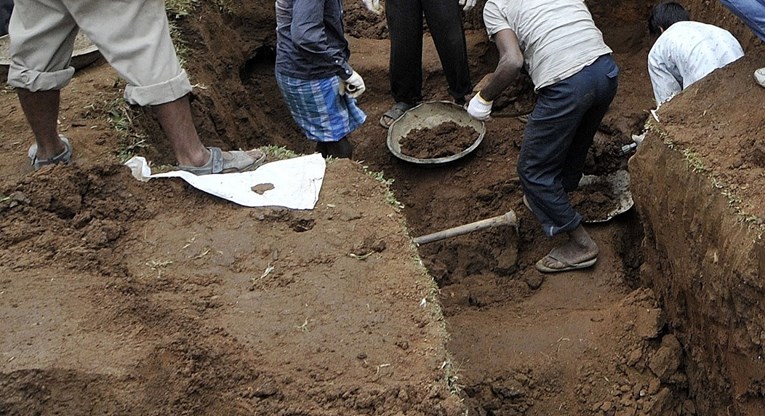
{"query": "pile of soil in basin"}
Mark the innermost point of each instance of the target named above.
(443, 140)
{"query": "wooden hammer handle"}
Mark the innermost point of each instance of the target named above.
(507, 218)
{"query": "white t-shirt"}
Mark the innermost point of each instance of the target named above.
(686, 52)
(558, 37)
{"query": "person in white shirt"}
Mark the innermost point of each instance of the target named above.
(685, 51)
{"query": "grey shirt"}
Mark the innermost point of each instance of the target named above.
(687, 52)
(310, 39)
(557, 37)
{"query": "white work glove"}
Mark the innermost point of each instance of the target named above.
(478, 108)
(466, 4)
(375, 7)
(354, 86)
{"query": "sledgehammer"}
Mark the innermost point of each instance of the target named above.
(507, 218)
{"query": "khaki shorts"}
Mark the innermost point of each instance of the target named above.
(132, 35)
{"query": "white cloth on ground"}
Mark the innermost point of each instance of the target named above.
(292, 183)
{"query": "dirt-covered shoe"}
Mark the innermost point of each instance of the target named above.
(394, 113)
(759, 76)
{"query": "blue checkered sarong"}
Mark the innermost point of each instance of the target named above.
(318, 108)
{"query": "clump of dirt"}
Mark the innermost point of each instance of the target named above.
(361, 23)
(605, 155)
(594, 200)
(443, 140)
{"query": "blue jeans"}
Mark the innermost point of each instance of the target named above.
(558, 135)
(752, 12)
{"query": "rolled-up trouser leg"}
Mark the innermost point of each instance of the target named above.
(554, 136)
(134, 37)
(42, 35)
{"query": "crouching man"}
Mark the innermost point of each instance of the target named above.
(575, 78)
(685, 51)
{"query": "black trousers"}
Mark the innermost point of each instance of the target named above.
(6, 7)
(405, 24)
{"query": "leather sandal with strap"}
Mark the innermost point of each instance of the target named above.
(394, 113)
(63, 157)
(240, 161)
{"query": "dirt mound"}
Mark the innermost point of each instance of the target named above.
(182, 303)
(446, 139)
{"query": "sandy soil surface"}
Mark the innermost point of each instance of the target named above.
(119, 297)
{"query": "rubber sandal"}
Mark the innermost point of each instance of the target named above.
(240, 161)
(394, 113)
(64, 157)
(540, 265)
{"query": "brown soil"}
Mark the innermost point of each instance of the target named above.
(708, 266)
(445, 139)
(119, 297)
(594, 200)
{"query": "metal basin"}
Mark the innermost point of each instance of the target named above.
(428, 115)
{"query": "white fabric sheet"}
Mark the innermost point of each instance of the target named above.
(296, 182)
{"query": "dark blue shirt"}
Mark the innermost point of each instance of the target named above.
(310, 40)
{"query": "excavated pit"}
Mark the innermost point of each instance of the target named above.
(669, 322)
(512, 355)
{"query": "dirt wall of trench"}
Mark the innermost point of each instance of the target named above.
(696, 181)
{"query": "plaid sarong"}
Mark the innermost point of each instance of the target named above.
(318, 108)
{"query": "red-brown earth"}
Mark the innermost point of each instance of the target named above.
(121, 297)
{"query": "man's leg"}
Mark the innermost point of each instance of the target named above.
(153, 72)
(548, 137)
(341, 149)
(546, 141)
(404, 19)
(602, 75)
(444, 19)
(175, 119)
(41, 110)
(751, 12)
(41, 47)
(176, 122)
